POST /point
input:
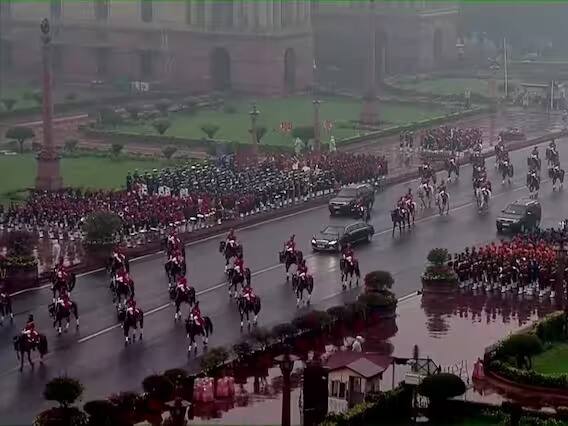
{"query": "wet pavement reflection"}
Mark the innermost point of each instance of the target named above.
(451, 329)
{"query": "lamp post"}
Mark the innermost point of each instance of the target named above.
(254, 113)
(48, 173)
(286, 363)
(317, 126)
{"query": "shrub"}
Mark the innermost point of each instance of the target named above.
(169, 151)
(101, 412)
(213, 359)
(528, 377)
(102, 228)
(552, 328)
(378, 281)
(377, 300)
(116, 149)
(58, 416)
(305, 133)
(438, 256)
(20, 243)
(210, 130)
(176, 375)
(242, 350)
(522, 347)
(9, 103)
(230, 109)
(441, 386)
(163, 106)
(133, 111)
(261, 335)
(158, 387)
(64, 390)
(20, 134)
(161, 125)
(109, 117)
(125, 402)
(70, 145)
(283, 331)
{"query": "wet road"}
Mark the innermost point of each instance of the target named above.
(96, 354)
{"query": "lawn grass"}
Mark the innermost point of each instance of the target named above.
(18, 172)
(18, 93)
(449, 86)
(298, 110)
(553, 361)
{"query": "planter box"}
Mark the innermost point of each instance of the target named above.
(99, 253)
(381, 312)
(434, 285)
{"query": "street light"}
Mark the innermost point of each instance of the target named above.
(254, 113)
(286, 363)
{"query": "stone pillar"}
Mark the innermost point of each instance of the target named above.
(369, 113)
(277, 14)
(237, 13)
(48, 172)
(270, 15)
(208, 14)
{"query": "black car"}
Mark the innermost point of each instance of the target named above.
(351, 198)
(336, 237)
(520, 216)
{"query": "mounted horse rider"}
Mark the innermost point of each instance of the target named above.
(195, 314)
(174, 244)
(30, 331)
(425, 190)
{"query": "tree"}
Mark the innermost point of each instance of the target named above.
(102, 228)
(169, 151)
(210, 130)
(304, 133)
(9, 103)
(133, 111)
(70, 144)
(522, 347)
(109, 117)
(20, 134)
(116, 149)
(161, 125)
(163, 106)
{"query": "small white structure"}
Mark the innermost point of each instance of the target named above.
(351, 375)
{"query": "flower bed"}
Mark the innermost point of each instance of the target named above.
(439, 277)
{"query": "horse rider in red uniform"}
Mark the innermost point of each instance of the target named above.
(291, 244)
(231, 236)
(61, 271)
(196, 314)
(64, 300)
(248, 294)
(303, 270)
(30, 330)
(123, 277)
(132, 309)
(240, 264)
(348, 253)
(182, 284)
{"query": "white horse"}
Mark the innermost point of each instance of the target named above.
(425, 191)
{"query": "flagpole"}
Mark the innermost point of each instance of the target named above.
(506, 73)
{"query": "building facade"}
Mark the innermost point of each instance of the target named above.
(253, 47)
(264, 47)
(406, 36)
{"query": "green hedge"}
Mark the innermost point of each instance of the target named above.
(549, 330)
(391, 405)
(528, 377)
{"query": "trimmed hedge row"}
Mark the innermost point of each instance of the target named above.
(528, 377)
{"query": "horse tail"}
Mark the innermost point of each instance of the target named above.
(247, 276)
(42, 345)
(72, 281)
(208, 325)
(17, 340)
(141, 318)
(75, 309)
(257, 306)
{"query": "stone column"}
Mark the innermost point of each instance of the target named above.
(277, 14)
(48, 171)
